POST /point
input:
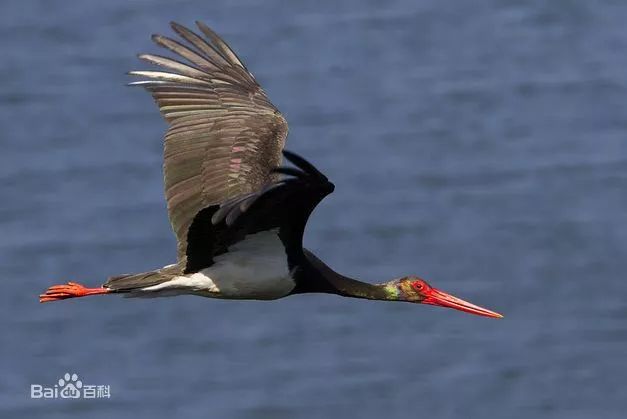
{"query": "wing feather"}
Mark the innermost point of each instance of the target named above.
(224, 136)
(284, 204)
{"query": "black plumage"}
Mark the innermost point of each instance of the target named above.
(284, 205)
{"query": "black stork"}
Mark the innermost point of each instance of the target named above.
(238, 216)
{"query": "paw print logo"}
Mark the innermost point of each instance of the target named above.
(70, 386)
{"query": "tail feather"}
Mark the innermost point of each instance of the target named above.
(130, 282)
(116, 284)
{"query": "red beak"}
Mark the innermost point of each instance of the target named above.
(442, 299)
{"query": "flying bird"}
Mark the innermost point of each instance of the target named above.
(238, 215)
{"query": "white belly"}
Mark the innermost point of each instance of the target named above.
(255, 268)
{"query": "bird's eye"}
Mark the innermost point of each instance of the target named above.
(418, 285)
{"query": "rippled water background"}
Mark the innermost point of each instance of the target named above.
(481, 145)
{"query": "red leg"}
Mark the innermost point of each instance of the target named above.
(70, 290)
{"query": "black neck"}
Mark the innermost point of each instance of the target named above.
(315, 276)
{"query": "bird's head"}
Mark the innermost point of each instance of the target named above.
(416, 290)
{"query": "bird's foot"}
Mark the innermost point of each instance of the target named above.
(70, 290)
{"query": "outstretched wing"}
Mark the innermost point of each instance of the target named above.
(284, 205)
(225, 136)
